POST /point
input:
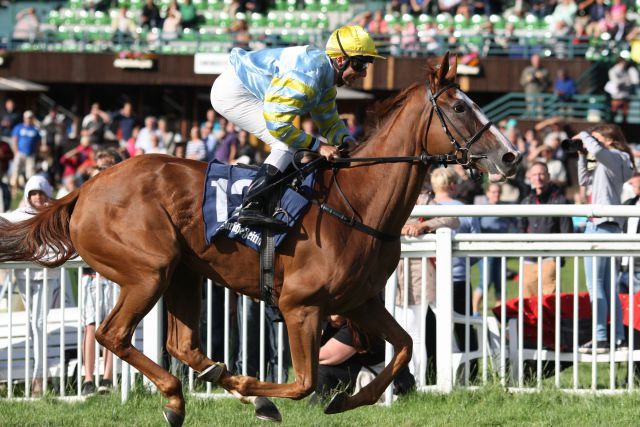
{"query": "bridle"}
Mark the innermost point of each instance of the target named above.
(462, 154)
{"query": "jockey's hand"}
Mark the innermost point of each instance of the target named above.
(329, 152)
(348, 145)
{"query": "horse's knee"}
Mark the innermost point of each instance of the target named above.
(404, 348)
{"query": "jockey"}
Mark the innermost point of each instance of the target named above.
(262, 92)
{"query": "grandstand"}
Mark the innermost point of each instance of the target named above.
(72, 51)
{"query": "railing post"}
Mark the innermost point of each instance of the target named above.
(152, 337)
(444, 303)
(390, 302)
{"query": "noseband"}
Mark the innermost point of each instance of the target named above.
(462, 155)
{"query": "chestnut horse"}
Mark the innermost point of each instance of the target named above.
(140, 225)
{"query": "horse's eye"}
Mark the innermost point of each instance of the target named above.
(459, 107)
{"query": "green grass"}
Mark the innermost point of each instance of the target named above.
(491, 406)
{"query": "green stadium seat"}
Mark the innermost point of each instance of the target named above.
(207, 36)
(124, 3)
(290, 20)
(68, 17)
(516, 21)
(224, 20)
(274, 20)
(531, 22)
(258, 20)
(83, 18)
(478, 21)
(201, 5)
(54, 18)
(444, 20)
(210, 19)
(322, 21)
(342, 5)
(546, 23)
(102, 18)
(215, 5)
(391, 19)
(497, 21)
(306, 20)
(137, 4)
(64, 33)
(311, 5)
(281, 4)
(326, 6)
(460, 22)
(189, 35)
(424, 19)
(75, 4)
(406, 19)
(291, 5)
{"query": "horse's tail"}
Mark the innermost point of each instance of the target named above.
(45, 238)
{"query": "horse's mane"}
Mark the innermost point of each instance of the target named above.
(383, 110)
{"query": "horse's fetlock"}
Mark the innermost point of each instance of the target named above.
(302, 390)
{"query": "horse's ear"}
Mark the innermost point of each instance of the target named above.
(443, 71)
(453, 69)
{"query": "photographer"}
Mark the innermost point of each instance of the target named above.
(613, 166)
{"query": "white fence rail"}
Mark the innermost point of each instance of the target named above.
(503, 353)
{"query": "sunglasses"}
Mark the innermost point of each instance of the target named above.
(359, 65)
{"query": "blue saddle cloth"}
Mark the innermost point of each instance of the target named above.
(224, 189)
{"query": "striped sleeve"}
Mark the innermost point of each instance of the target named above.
(285, 98)
(325, 115)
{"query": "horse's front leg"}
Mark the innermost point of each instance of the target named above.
(374, 319)
(303, 324)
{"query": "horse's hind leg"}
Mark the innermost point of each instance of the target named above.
(183, 299)
(374, 319)
(115, 334)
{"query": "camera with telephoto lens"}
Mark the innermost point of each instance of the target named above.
(571, 145)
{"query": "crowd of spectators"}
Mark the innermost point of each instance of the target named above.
(64, 150)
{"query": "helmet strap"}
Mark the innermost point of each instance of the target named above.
(340, 69)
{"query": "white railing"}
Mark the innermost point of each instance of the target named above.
(496, 356)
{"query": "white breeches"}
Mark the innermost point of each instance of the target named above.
(232, 100)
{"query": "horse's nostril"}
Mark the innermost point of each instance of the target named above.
(511, 157)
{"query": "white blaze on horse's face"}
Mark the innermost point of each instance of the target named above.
(496, 160)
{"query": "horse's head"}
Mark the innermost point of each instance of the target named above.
(457, 125)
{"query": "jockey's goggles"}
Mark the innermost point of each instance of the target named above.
(359, 64)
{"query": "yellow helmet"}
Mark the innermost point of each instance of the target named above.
(351, 40)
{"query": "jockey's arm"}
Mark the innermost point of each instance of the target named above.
(285, 99)
(326, 117)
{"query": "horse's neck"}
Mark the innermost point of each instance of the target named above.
(384, 195)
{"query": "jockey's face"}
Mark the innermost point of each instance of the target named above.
(355, 71)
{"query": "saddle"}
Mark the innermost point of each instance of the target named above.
(287, 199)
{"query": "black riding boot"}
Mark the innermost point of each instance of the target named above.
(255, 201)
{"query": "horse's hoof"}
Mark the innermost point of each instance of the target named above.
(267, 410)
(173, 418)
(213, 373)
(336, 404)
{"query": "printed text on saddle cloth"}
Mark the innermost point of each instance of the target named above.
(224, 188)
